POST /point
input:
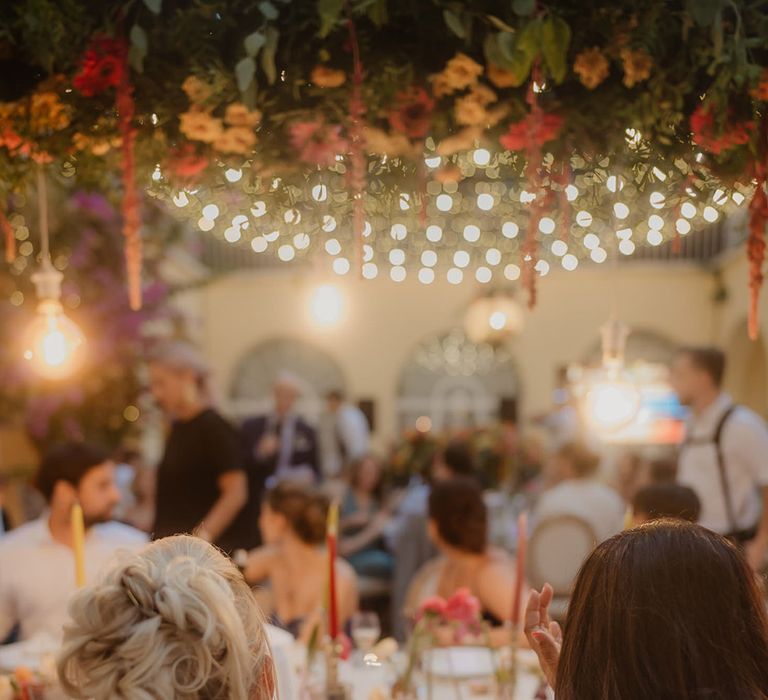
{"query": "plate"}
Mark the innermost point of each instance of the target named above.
(31, 653)
(459, 663)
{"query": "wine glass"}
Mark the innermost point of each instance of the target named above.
(366, 630)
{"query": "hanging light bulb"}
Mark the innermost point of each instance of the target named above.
(52, 342)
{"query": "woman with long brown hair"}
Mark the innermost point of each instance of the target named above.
(667, 611)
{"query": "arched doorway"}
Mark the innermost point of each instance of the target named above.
(316, 371)
(456, 383)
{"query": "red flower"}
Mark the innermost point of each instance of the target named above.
(531, 131)
(102, 66)
(704, 132)
(462, 607)
(317, 143)
(434, 606)
(413, 114)
(186, 163)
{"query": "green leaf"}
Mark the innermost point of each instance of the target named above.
(555, 40)
(524, 8)
(154, 5)
(500, 24)
(529, 39)
(453, 21)
(268, 55)
(244, 72)
(493, 53)
(136, 59)
(139, 47)
(704, 11)
(378, 14)
(253, 42)
(506, 44)
(330, 11)
(139, 39)
(268, 10)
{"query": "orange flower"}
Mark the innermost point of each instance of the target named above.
(325, 77)
(450, 173)
(501, 77)
(200, 126)
(47, 113)
(460, 141)
(459, 73)
(239, 115)
(237, 139)
(197, 91)
(637, 66)
(592, 67)
(470, 110)
(761, 91)
(379, 142)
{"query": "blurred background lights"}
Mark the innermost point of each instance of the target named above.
(210, 211)
(326, 305)
(455, 276)
(481, 157)
(510, 229)
(485, 201)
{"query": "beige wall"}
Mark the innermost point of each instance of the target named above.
(385, 320)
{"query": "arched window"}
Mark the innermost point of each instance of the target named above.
(456, 383)
(317, 372)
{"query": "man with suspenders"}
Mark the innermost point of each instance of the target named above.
(724, 457)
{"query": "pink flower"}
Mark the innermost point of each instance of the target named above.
(434, 606)
(317, 143)
(462, 607)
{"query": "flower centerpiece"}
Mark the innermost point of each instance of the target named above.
(455, 621)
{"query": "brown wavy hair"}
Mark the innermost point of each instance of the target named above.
(305, 508)
(667, 611)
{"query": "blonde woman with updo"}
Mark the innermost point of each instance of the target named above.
(292, 566)
(174, 622)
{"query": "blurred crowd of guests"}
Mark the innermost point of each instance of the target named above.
(418, 523)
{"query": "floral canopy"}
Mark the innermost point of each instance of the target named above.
(487, 138)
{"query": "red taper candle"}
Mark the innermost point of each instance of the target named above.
(332, 534)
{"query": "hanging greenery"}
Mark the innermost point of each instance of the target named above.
(483, 131)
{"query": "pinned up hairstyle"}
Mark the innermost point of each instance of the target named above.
(305, 509)
(175, 621)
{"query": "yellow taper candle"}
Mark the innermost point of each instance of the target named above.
(78, 544)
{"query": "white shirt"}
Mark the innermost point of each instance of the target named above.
(37, 573)
(744, 444)
(595, 503)
(348, 426)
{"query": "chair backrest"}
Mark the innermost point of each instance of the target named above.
(557, 549)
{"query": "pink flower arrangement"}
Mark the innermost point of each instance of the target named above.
(318, 143)
(460, 614)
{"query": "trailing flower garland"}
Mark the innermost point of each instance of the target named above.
(251, 107)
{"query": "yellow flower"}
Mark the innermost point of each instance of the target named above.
(469, 112)
(637, 66)
(325, 77)
(379, 142)
(80, 141)
(592, 67)
(197, 91)
(200, 126)
(47, 113)
(237, 139)
(460, 141)
(100, 148)
(239, 115)
(501, 77)
(459, 73)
